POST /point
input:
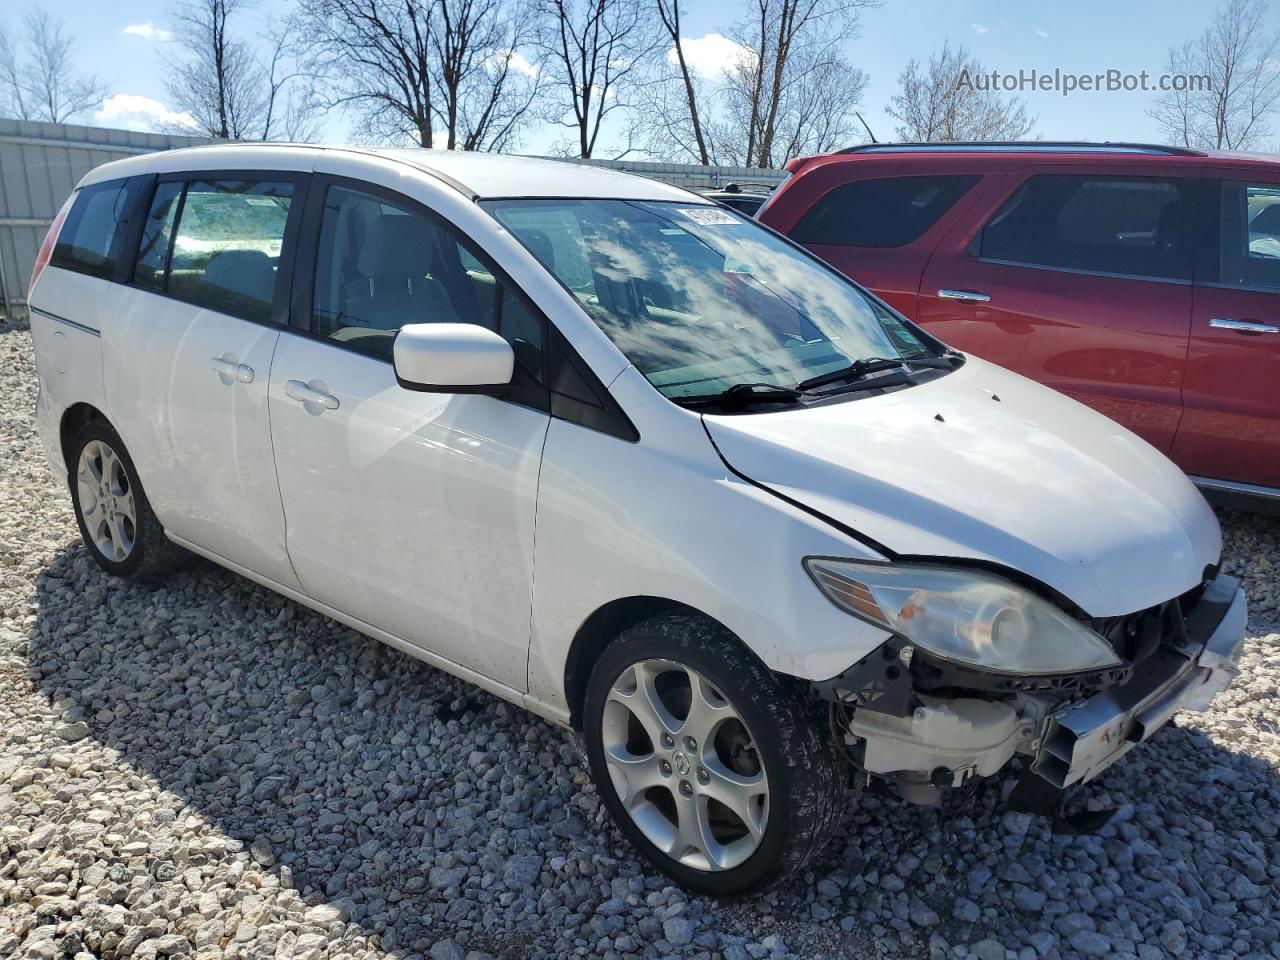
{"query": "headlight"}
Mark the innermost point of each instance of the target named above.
(966, 616)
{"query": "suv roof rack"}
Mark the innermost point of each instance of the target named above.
(1023, 146)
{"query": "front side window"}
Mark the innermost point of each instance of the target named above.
(886, 212)
(382, 264)
(89, 239)
(1250, 238)
(702, 298)
(1131, 226)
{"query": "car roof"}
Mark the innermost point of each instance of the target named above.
(481, 175)
(1039, 151)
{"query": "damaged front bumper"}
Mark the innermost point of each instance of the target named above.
(1083, 739)
(922, 742)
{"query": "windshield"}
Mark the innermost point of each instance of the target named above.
(701, 298)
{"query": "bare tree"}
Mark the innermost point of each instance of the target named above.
(38, 79)
(772, 99)
(220, 81)
(952, 100)
(444, 73)
(682, 125)
(1230, 83)
(595, 53)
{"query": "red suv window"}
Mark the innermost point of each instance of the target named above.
(887, 212)
(1132, 226)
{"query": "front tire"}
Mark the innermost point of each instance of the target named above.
(116, 522)
(717, 770)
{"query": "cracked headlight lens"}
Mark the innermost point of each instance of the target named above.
(965, 616)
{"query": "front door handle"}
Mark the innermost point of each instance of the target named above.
(230, 371)
(1243, 326)
(297, 390)
(964, 296)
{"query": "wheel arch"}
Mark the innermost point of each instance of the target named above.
(600, 629)
(73, 418)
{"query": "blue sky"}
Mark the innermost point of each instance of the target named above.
(1008, 35)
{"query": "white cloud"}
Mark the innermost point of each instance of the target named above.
(710, 55)
(148, 31)
(980, 28)
(1043, 33)
(521, 65)
(128, 111)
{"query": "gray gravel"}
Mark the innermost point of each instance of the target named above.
(206, 769)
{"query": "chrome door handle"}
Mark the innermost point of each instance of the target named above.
(241, 372)
(1243, 326)
(964, 296)
(297, 390)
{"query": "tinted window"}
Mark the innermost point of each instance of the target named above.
(150, 268)
(1250, 246)
(880, 213)
(89, 238)
(1132, 226)
(227, 244)
(381, 265)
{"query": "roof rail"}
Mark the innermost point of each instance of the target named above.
(1023, 146)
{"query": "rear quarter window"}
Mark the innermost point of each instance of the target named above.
(886, 212)
(90, 240)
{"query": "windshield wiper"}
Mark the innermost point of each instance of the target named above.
(744, 394)
(867, 365)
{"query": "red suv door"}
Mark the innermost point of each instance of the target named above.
(1081, 279)
(1230, 429)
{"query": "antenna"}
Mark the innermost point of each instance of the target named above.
(865, 127)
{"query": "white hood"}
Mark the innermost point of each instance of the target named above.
(1032, 480)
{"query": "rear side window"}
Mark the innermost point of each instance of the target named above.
(151, 267)
(227, 244)
(889, 212)
(1130, 226)
(1250, 237)
(90, 238)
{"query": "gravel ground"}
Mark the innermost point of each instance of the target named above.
(206, 768)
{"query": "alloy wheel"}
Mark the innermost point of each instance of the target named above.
(106, 501)
(684, 765)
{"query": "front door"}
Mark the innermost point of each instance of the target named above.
(1081, 281)
(413, 512)
(1231, 425)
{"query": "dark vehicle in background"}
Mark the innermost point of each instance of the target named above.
(1141, 280)
(734, 197)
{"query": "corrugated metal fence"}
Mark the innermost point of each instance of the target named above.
(41, 162)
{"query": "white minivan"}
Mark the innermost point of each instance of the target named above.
(632, 460)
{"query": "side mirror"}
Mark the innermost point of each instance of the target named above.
(451, 358)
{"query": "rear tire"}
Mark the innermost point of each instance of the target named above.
(718, 771)
(116, 522)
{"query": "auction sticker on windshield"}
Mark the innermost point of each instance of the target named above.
(709, 216)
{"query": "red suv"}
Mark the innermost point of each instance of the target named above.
(1141, 280)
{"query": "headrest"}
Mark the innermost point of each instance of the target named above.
(540, 245)
(398, 246)
(1267, 220)
(246, 272)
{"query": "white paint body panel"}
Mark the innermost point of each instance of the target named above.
(413, 512)
(201, 441)
(481, 535)
(1034, 481)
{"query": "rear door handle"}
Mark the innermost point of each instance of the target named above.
(964, 296)
(297, 390)
(1243, 326)
(231, 370)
